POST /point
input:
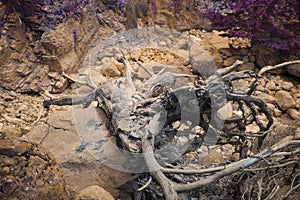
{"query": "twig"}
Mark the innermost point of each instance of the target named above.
(268, 68)
(287, 153)
(259, 189)
(294, 180)
(164, 182)
(231, 68)
(271, 167)
(146, 185)
(290, 191)
(79, 82)
(192, 171)
(39, 116)
(273, 192)
(234, 167)
(128, 74)
(153, 166)
(46, 93)
(144, 68)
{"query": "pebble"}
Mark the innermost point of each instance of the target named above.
(11, 130)
(2, 109)
(13, 120)
(247, 66)
(295, 114)
(95, 193)
(235, 157)
(284, 99)
(265, 97)
(287, 85)
(271, 85)
(225, 112)
(229, 61)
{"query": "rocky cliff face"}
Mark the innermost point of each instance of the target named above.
(36, 48)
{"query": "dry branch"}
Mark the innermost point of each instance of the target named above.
(268, 68)
(141, 111)
(235, 167)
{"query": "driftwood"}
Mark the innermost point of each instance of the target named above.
(134, 113)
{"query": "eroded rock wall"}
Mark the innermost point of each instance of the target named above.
(33, 53)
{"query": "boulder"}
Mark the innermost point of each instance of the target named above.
(81, 170)
(94, 192)
(294, 70)
(28, 171)
(32, 50)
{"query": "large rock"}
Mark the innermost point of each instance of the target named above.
(81, 170)
(284, 99)
(265, 57)
(294, 70)
(94, 193)
(27, 171)
(174, 18)
(29, 55)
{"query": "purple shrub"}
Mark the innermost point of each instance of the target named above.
(48, 13)
(121, 3)
(267, 23)
(170, 5)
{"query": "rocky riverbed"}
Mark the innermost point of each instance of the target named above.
(42, 151)
(56, 132)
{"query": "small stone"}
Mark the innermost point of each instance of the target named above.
(225, 112)
(225, 52)
(252, 58)
(235, 157)
(298, 103)
(271, 85)
(284, 99)
(107, 61)
(2, 109)
(144, 59)
(295, 114)
(13, 120)
(252, 128)
(229, 61)
(183, 54)
(11, 130)
(54, 75)
(7, 97)
(5, 170)
(276, 112)
(247, 66)
(169, 57)
(61, 83)
(287, 85)
(260, 88)
(240, 85)
(11, 111)
(135, 54)
(112, 70)
(265, 97)
(278, 88)
(94, 193)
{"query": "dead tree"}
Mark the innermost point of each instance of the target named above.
(134, 112)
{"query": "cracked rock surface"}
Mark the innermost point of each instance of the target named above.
(28, 171)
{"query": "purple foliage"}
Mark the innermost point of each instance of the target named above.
(267, 23)
(121, 3)
(170, 4)
(75, 35)
(49, 12)
(154, 7)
